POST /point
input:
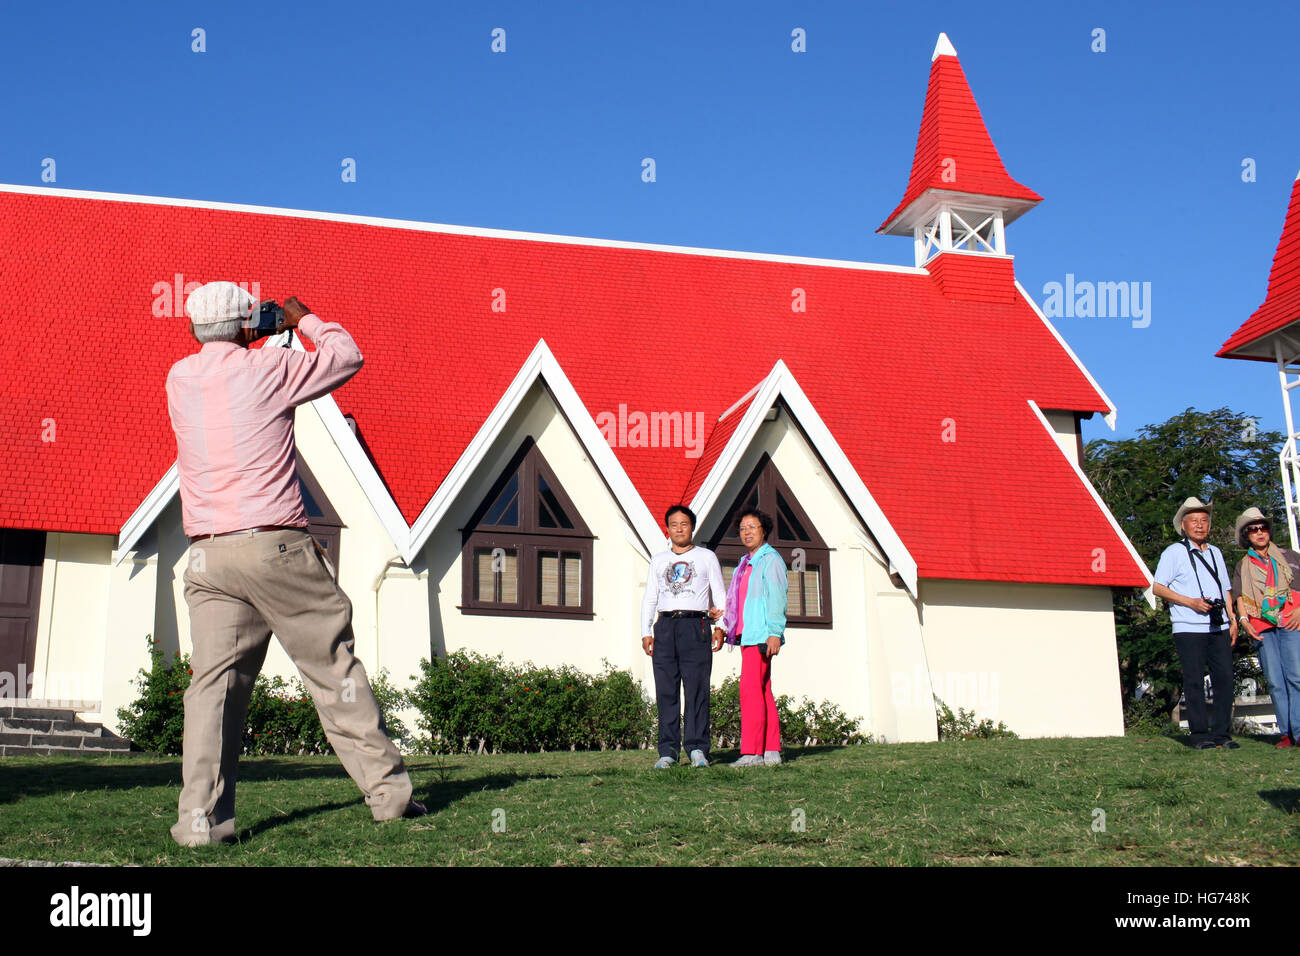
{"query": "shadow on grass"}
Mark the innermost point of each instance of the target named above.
(1288, 801)
(436, 797)
(39, 776)
(723, 758)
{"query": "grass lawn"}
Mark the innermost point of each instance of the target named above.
(1002, 802)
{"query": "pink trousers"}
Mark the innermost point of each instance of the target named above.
(760, 728)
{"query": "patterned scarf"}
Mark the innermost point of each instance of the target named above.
(1258, 598)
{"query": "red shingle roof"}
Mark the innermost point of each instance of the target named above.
(1282, 301)
(954, 151)
(885, 357)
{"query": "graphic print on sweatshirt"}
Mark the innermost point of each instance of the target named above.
(677, 577)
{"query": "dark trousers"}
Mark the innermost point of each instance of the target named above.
(683, 654)
(1194, 652)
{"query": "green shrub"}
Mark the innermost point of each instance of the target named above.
(391, 701)
(155, 721)
(472, 703)
(1147, 716)
(963, 725)
(620, 715)
(282, 718)
(801, 725)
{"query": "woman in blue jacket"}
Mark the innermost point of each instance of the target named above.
(755, 619)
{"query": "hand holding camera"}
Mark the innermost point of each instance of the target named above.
(269, 318)
(294, 311)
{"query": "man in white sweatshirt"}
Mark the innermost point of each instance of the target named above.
(677, 591)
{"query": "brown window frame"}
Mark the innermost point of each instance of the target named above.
(760, 490)
(529, 539)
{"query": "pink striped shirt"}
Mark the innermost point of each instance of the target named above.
(232, 411)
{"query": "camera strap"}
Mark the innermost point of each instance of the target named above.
(1193, 557)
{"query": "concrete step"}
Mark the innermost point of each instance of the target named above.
(44, 730)
(37, 713)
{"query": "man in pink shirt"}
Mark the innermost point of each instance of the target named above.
(253, 567)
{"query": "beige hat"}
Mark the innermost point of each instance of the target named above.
(218, 302)
(1248, 517)
(1191, 504)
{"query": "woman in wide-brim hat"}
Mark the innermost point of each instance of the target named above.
(1265, 603)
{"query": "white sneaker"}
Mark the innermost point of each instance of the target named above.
(771, 757)
(749, 760)
(698, 759)
(663, 763)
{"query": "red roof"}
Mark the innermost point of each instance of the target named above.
(1282, 302)
(720, 433)
(883, 354)
(954, 151)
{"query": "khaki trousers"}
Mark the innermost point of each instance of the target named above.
(239, 589)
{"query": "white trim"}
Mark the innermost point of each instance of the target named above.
(943, 47)
(147, 512)
(417, 226)
(363, 470)
(1110, 415)
(1083, 478)
(540, 364)
(781, 383)
(743, 399)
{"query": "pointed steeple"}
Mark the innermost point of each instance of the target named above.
(956, 167)
(1282, 301)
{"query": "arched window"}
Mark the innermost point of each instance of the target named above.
(807, 559)
(527, 551)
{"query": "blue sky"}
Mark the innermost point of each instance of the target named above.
(1138, 150)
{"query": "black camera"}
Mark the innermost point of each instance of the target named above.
(267, 319)
(1217, 609)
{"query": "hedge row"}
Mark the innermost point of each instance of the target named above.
(470, 703)
(281, 716)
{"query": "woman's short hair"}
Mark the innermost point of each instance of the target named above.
(762, 517)
(684, 510)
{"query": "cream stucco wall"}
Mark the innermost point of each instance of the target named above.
(618, 569)
(1063, 430)
(1040, 657)
(875, 623)
(71, 621)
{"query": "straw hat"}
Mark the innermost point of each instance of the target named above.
(1248, 517)
(1190, 505)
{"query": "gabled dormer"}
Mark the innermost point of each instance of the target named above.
(959, 197)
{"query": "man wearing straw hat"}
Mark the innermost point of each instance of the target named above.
(253, 568)
(1264, 582)
(1192, 579)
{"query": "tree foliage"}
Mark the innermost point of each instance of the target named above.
(1219, 456)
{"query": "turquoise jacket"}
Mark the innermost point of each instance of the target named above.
(765, 600)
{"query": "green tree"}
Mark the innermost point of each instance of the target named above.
(1219, 456)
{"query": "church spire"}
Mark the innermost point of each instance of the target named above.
(959, 195)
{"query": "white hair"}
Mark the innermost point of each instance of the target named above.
(226, 331)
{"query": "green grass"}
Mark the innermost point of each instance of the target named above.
(1002, 802)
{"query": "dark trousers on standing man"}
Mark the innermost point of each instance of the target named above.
(1195, 651)
(683, 654)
